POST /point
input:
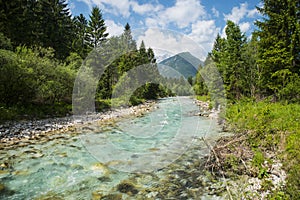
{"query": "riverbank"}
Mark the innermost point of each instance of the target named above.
(13, 131)
(63, 165)
(261, 159)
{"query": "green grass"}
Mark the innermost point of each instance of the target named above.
(271, 126)
(34, 111)
(203, 98)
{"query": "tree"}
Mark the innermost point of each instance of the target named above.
(96, 28)
(253, 73)
(80, 45)
(279, 45)
(45, 23)
(130, 43)
(228, 57)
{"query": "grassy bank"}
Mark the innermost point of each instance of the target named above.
(34, 111)
(270, 127)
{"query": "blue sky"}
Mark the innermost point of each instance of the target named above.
(162, 21)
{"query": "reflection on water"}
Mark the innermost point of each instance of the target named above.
(74, 166)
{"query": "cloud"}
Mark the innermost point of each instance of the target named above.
(164, 41)
(204, 33)
(183, 13)
(153, 22)
(237, 13)
(114, 29)
(215, 12)
(115, 7)
(252, 13)
(123, 7)
(145, 8)
(245, 26)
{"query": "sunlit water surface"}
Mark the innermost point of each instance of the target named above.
(72, 166)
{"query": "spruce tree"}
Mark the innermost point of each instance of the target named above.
(279, 47)
(227, 55)
(80, 45)
(96, 28)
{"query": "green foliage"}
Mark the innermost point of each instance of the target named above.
(203, 98)
(80, 43)
(96, 29)
(32, 76)
(279, 47)
(5, 42)
(271, 126)
(123, 74)
(42, 23)
(227, 54)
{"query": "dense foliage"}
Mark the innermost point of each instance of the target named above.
(265, 71)
(42, 47)
(272, 127)
(267, 65)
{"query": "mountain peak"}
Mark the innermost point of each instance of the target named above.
(184, 64)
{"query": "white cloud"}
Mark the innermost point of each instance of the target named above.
(244, 27)
(122, 7)
(116, 7)
(223, 32)
(237, 13)
(152, 22)
(252, 13)
(114, 29)
(204, 33)
(183, 13)
(169, 42)
(215, 12)
(145, 8)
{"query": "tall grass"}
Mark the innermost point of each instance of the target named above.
(275, 127)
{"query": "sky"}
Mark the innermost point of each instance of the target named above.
(173, 26)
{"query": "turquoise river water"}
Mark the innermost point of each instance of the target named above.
(98, 157)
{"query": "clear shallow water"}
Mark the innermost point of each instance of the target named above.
(73, 166)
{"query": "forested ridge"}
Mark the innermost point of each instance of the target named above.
(259, 78)
(42, 49)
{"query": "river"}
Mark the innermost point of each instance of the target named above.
(100, 156)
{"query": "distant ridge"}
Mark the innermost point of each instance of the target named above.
(182, 64)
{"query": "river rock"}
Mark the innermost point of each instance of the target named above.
(127, 187)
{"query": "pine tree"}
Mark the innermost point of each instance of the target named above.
(130, 44)
(80, 45)
(279, 46)
(96, 28)
(227, 55)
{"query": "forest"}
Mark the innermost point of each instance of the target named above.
(42, 48)
(257, 79)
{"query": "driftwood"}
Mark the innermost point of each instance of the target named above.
(218, 163)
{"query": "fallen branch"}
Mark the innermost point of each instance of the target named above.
(231, 142)
(218, 163)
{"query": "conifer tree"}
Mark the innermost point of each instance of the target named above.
(96, 28)
(80, 45)
(279, 47)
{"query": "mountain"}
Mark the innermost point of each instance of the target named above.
(182, 64)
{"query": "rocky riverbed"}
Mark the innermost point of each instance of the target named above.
(13, 131)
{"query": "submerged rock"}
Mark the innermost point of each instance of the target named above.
(127, 187)
(100, 168)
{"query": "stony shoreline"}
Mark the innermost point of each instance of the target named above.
(231, 160)
(14, 131)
